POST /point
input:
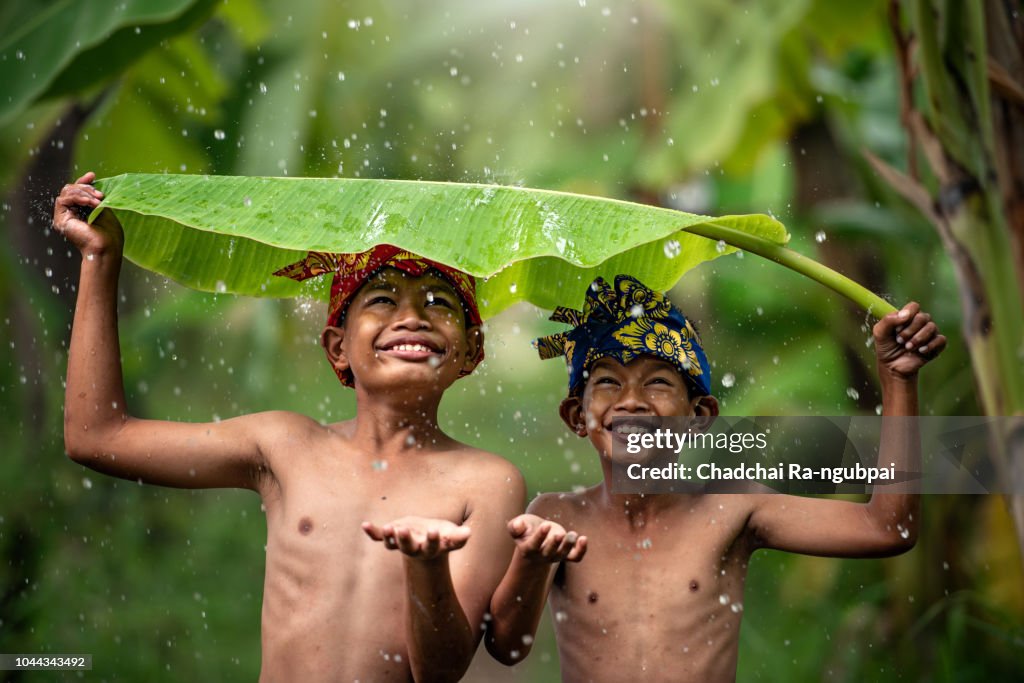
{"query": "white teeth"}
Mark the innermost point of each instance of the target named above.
(410, 347)
(630, 429)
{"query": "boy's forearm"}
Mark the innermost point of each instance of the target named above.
(439, 638)
(897, 510)
(94, 394)
(516, 608)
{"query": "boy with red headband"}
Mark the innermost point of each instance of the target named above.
(401, 330)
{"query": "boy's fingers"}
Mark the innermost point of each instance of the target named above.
(433, 543)
(923, 336)
(916, 324)
(552, 542)
(87, 178)
(517, 527)
(933, 347)
(373, 531)
(567, 544)
(578, 550)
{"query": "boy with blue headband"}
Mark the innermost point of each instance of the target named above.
(659, 593)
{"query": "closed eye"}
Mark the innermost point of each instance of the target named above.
(380, 299)
(605, 380)
(660, 380)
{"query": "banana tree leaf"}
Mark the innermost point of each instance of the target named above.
(229, 234)
(55, 47)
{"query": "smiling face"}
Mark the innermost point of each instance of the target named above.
(403, 331)
(644, 387)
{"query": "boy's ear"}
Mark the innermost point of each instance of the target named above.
(705, 409)
(331, 339)
(474, 341)
(571, 410)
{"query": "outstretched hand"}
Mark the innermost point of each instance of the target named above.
(422, 538)
(542, 540)
(905, 340)
(74, 200)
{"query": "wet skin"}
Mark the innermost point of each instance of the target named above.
(385, 537)
(659, 593)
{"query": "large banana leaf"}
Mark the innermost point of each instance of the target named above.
(229, 234)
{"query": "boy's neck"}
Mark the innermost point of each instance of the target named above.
(397, 423)
(636, 509)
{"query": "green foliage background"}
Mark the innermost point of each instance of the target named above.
(707, 106)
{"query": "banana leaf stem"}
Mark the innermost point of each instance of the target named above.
(863, 297)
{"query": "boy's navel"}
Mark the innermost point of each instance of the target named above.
(305, 526)
(694, 586)
(592, 597)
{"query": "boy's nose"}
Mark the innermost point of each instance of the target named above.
(632, 400)
(411, 317)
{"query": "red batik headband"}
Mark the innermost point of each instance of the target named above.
(351, 271)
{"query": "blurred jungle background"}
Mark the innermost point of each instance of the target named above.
(887, 137)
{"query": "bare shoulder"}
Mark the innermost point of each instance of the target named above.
(274, 427)
(483, 465)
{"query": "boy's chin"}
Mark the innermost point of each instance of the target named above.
(415, 380)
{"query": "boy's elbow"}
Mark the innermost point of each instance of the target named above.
(506, 655)
(904, 542)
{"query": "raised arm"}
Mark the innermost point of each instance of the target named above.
(517, 605)
(887, 524)
(451, 572)
(98, 431)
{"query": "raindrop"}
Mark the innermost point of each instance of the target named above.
(820, 236)
(728, 379)
(512, 288)
(86, 482)
(20, 55)
(263, 88)
(221, 287)
(527, 639)
(341, 75)
(379, 465)
(852, 393)
(219, 134)
(672, 248)
(645, 544)
(560, 616)
(723, 599)
(720, 247)
(636, 310)
(736, 607)
(247, 201)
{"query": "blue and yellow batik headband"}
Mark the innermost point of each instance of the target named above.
(624, 322)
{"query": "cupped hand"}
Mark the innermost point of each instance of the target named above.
(542, 540)
(423, 538)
